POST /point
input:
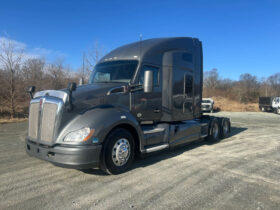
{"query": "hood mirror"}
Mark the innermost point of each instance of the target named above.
(31, 90)
(71, 87)
(148, 81)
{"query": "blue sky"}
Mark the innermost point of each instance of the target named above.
(238, 36)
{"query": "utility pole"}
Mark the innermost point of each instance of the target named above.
(140, 37)
(82, 79)
(83, 65)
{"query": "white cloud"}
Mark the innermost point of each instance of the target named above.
(42, 51)
(32, 52)
(16, 44)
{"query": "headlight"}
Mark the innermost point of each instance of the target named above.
(81, 135)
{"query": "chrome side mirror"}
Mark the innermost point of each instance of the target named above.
(81, 81)
(148, 81)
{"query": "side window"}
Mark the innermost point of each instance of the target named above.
(188, 85)
(155, 74)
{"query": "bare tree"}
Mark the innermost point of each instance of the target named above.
(211, 79)
(248, 88)
(90, 59)
(10, 59)
(33, 71)
(56, 75)
(210, 82)
(274, 83)
(3, 92)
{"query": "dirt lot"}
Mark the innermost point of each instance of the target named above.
(241, 172)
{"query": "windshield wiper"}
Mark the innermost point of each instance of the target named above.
(109, 82)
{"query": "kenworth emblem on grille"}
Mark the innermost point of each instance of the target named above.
(41, 104)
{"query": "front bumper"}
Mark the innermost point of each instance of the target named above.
(206, 109)
(78, 157)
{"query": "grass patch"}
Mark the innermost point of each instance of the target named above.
(225, 104)
(14, 120)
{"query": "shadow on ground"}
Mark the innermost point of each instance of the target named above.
(155, 157)
(236, 130)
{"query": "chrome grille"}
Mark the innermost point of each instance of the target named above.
(48, 121)
(33, 120)
(44, 119)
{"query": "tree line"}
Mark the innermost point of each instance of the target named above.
(245, 90)
(17, 72)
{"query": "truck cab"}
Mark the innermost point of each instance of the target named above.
(207, 105)
(269, 104)
(142, 97)
(276, 104)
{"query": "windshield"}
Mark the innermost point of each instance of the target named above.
(206, 101)
(113, 71)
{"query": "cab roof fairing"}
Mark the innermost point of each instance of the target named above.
(150, 50)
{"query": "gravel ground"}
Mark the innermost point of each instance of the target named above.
(240, 172)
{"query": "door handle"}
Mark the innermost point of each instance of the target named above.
(156, 111)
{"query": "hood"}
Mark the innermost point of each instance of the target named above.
(87, 96)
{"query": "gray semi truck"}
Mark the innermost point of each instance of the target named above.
(141, 98)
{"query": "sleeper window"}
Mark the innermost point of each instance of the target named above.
(188, 85)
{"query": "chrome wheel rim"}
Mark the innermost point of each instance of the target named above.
(215, 131)
(121, 152)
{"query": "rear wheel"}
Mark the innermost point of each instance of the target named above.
(214, 130)
(118, 153)
(224, 128)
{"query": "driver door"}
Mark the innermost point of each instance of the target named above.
(148, 106)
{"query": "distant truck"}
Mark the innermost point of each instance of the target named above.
(141, 98)
(207, 105)
(269, 104)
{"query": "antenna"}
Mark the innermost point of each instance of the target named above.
(83, 64)
(140, 38)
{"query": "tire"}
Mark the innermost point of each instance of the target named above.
(263, 109)
(278, 110)
(224, 124)
(118, 153)
(214, 130)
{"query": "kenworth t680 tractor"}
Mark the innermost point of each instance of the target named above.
(140, 98)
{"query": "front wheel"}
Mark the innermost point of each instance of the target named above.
(118, 153)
